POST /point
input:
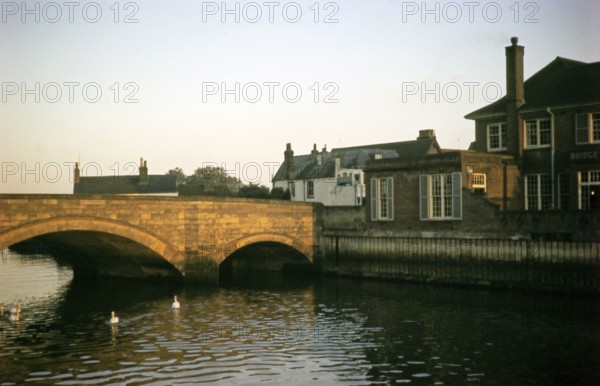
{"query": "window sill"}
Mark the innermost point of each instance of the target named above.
(537, 147)
(496, 150)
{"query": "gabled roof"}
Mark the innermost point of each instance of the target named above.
(562, 82)
(305, 166)
(157, 184)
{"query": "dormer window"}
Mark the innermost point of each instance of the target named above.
(378, 156)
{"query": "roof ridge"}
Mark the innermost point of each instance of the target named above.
(573, 61)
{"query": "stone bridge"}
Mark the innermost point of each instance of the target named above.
(166, 237)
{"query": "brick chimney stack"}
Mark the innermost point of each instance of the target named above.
(514, 72)
(289, 160)
(515, 96)
(76, 173)
(143, 171)
(424, 134)
(314, 152)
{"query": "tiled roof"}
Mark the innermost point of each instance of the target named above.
(305, 167)
(562, 82)
(417, 147)
(157, 184)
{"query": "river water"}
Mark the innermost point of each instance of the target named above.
(274, 330)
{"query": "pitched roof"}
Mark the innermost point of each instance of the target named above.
(562, 82)
(157, 184)
(417, 147)
(305, 167)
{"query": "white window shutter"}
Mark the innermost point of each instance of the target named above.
(424, 197)
(390, 197)
(457, 196)
(373, 193)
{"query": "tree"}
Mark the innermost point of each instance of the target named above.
(179, 173)
(214, 181)
(211, 175)
(280, 194)
(206, 181)
(254, 191)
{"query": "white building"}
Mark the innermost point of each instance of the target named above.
(336, 178)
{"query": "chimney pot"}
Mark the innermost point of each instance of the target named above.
(514, 40)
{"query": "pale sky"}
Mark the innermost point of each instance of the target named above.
(378, 62)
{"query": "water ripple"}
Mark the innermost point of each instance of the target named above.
(333, 333)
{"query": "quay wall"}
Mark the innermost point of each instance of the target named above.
(565, 266)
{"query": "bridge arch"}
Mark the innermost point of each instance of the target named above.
(62, 225)
(256, 238)
(264, 252)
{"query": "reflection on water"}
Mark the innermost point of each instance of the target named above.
(275, 330)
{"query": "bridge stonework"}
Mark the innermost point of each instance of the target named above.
(194, 234)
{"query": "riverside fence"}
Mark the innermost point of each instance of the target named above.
(546, 265)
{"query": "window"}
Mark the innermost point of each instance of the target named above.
(382, 203)
(589, 188)
(479, 181)
(496, 137)
(563, 191)
(537, 132)
(440, 196)
(310, 189)
(538, 193)
(587, 128)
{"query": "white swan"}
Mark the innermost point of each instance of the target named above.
(15, 312)
(175, 302)
(113, 318)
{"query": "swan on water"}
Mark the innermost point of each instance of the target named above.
(113, 318)
(15, 312)
(175, 302)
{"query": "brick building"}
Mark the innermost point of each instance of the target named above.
(142, 184)
(550, 124)
(536, 150)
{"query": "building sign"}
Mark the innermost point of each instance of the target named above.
(591, 155)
